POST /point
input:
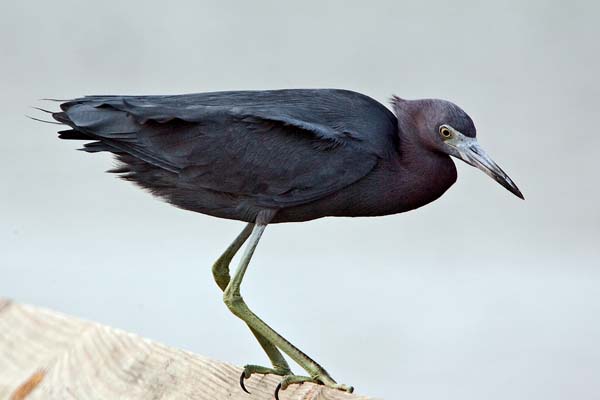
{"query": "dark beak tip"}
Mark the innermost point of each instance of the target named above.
(518, 193)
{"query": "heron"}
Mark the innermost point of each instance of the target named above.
(277, 156)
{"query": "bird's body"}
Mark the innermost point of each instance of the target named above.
(305, 154)
(280, 156)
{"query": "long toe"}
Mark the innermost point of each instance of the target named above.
(299, 379)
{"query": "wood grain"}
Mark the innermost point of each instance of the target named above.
(47, 355)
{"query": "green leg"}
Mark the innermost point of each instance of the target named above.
(236, 304)
(220, 271)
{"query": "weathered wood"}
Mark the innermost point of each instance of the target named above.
(47, 355)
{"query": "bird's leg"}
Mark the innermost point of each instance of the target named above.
(234, 301)
(221, 275)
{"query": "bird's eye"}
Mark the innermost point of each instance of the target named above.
(445, 132)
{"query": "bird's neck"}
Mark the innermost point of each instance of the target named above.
(418, 176)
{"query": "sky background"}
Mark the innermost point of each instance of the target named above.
(478, 295)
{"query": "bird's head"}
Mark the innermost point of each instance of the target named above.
(443, 127)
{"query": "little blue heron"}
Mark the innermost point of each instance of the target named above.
(280, 156)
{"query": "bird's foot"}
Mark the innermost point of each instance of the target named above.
(250, 370)
(290, 379)
(298, 379)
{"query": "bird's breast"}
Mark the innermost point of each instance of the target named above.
(392, 187)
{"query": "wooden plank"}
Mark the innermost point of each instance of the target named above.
(47, 355)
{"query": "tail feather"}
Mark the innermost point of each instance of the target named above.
(96, 147)
(107, 128)
(72, 134)
(62, 117)
(75, 134)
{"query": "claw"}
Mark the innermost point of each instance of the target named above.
(281, 387)
(288, 380)
(242, 378)
(277, 389)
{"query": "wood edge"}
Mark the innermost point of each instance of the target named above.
(33, 381)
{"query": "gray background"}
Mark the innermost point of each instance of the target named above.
(476, 296)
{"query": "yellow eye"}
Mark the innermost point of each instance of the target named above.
(445, 132)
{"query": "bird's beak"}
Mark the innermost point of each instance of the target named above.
(472, 153)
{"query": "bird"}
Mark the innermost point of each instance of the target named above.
(280, 156)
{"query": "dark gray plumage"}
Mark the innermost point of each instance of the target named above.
(231, 154)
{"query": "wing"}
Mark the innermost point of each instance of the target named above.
(278, 148)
